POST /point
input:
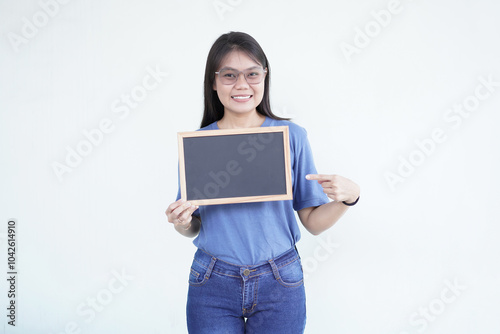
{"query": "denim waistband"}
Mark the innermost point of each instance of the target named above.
(221, 267)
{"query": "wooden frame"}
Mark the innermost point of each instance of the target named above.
(240, 134)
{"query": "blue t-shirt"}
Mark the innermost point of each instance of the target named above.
(252, 233)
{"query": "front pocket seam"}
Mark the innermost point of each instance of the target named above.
(291, 285)
(194, 272)
(203, 281)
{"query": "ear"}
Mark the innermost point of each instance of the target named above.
(214, 87)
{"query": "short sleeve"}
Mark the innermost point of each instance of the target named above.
(306, 193)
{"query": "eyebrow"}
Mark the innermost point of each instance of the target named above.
(231, 68)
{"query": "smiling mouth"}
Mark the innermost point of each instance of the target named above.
(241, 97)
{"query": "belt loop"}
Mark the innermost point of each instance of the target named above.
(275, 269)
(210, 267)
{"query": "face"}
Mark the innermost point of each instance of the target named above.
(240, 97)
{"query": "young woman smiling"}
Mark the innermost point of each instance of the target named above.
(246, 276)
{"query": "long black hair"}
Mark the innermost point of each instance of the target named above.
(233, 41)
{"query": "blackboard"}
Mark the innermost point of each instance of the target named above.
(235, 165)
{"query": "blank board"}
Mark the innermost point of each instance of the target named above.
(235, 165)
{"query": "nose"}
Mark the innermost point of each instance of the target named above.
(241, 80)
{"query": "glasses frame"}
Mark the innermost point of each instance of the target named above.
(244, 76)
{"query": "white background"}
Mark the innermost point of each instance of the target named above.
(385, 268)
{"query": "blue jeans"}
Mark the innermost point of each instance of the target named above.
(225, 298)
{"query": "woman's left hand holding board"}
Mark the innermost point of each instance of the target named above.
(180, 213)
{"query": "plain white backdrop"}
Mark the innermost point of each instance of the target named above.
(401, 96)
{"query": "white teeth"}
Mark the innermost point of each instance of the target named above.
(241, 97)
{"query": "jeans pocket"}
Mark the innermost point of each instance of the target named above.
(291, 274)
(197, 274)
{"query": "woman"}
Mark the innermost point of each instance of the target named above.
(246, 276)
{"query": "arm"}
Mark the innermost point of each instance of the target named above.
(318, 219)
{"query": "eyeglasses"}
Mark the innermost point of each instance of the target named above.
(229, 76)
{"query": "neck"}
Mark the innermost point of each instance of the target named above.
(238, 121)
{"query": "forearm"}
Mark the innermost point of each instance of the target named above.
(323, 217)
(193, 230)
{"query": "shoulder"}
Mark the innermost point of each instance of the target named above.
(296, 132)
(212, 126)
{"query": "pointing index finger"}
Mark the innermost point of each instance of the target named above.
(319, 177)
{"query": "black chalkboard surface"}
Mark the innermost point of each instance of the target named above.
(235, 165)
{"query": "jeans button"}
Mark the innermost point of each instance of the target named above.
(246, 272)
